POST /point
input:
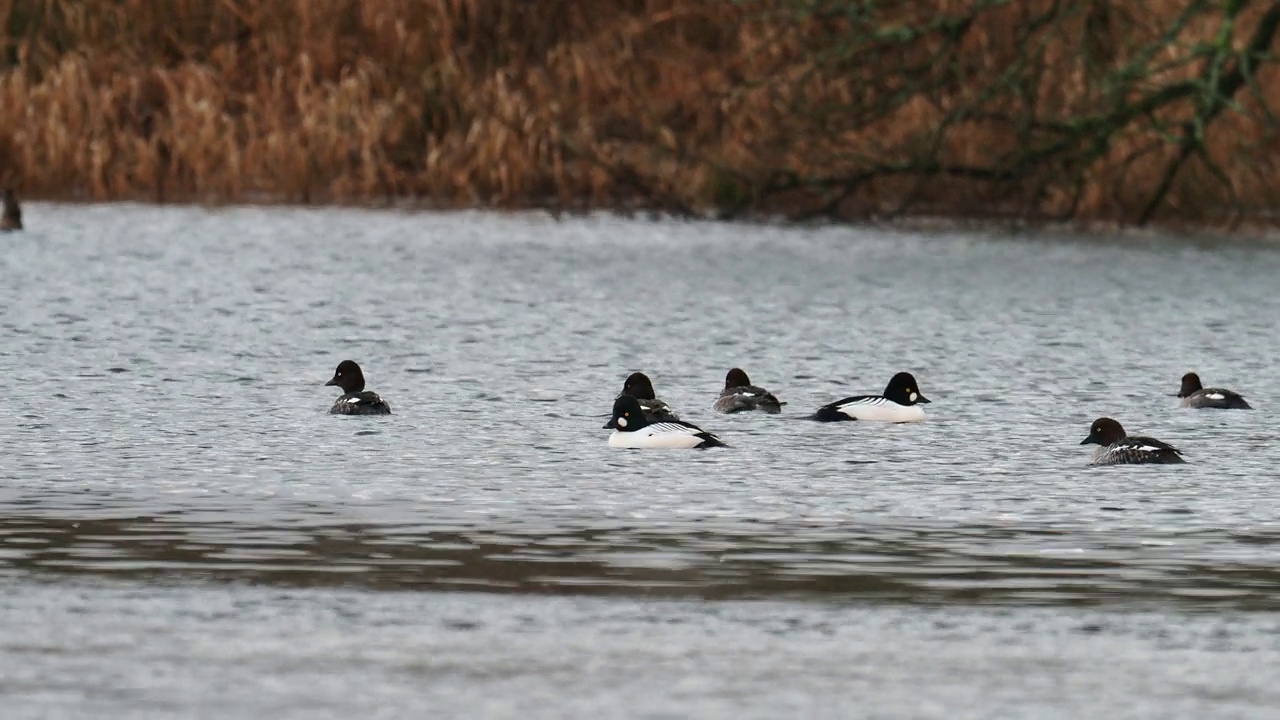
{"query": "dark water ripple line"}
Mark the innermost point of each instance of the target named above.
(753, 560)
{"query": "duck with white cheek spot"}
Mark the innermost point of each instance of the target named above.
(631, 429)
(900, 403)
(355, 399)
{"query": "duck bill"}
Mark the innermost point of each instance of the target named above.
(920, 399)
(1090, 439)
(611, 425)
(331, 382)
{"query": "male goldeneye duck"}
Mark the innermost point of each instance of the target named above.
(11, 218)
(631, 429)
(899, 404)
(1195, 395)
(638, 386)
(1120, 449)
(355, 400)
(739, 395)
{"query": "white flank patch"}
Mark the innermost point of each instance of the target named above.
(1216, 396)
(882, 410)
(1124, 454)
(661, 435)
(353, 400)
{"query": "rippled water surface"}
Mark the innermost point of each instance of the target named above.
(179, 514)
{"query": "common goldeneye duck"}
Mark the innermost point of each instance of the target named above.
(11, 218)
(739, 395)
(632, 429)
(355, 399)
(638, 386)
(1120, 449)
(899, 404)
(1195, 395)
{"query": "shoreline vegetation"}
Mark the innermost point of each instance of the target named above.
(1109, 112)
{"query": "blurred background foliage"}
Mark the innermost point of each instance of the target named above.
(1093, 110)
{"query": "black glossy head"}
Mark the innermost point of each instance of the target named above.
(638, 386)
(1104, 431)
(627, 414)
(348, 377)
(1190, 384)
(904, 390)
(737, 377)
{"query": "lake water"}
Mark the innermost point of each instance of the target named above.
(186, 532)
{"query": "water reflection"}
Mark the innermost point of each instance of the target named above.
(750, 560)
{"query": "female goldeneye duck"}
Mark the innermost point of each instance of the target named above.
(632, 429)
(1195, 395)
(1120, 449)
(637, 385)
(355, 399)
(739, 395)
(11, 218)
(898, 404)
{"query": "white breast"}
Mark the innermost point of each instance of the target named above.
(1103, 456)
(882, 410)
(660, 435)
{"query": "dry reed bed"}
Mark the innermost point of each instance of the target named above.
(791, 106)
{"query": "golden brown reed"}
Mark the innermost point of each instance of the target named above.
(759, 106)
